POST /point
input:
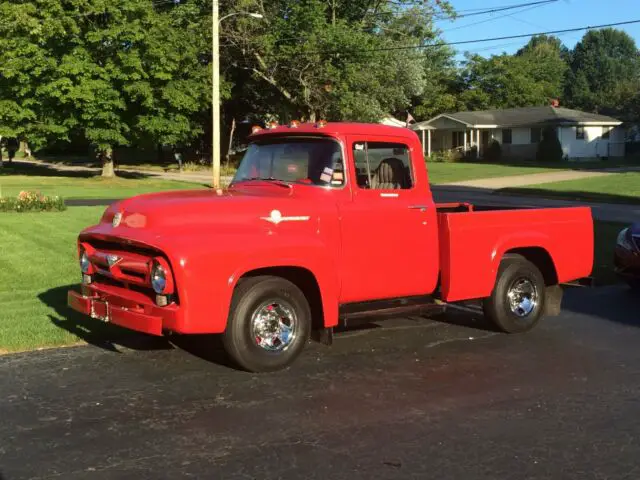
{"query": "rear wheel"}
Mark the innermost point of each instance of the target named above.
(269, 324)
(517, 302)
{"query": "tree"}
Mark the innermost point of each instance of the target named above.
(603, 65)
(109, 72)
(549, 149)
(338, 60)
(531, 77)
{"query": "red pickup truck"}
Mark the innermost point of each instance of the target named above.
(323, 223)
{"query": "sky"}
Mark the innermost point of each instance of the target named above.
(558, 15)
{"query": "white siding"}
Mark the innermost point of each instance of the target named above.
(593, 145)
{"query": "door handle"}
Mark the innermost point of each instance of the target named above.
(422, 208)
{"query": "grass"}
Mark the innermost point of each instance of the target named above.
(38, 265)
(38, 262)
(458, 172)
(616, 188)
(14, 179)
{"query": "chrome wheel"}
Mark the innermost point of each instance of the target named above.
(273, 325)
(522, 297)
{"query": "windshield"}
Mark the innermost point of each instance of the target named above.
(312, 161)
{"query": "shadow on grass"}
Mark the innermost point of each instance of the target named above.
(43, 170)
(110, 337)
(576, 196)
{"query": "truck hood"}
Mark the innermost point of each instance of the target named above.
(241, 209)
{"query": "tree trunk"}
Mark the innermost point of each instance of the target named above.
(108, 169)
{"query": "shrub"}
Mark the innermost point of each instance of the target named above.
(32, 202)
(494, 152)
(445, 156)
(549, 148)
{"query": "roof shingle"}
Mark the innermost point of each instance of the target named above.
(512, 117)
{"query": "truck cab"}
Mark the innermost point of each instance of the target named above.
(322, 223)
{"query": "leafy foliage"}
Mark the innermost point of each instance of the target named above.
(604, 67)
(549, 149)
(494, 152)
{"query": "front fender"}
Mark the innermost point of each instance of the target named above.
(207, 276)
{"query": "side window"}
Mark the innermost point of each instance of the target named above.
(382, 166)
(579, 133)
(536, 135)
(506, 136)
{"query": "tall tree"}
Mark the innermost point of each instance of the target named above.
(111, 72)
(337, 59)
(603, 66)
(531, 77)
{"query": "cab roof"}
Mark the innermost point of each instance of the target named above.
(336, 129)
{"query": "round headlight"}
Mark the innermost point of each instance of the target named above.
(158, 278)
(85, 263)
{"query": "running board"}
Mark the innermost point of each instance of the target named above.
(356, 313)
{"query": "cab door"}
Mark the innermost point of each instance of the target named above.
(388, 226)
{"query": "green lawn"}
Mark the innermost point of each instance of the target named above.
(615, 188)
(72, 185)
(38, 262)
(38, 265)
(458, 172)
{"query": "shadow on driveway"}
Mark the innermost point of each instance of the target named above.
(618, 304)
(110, 337)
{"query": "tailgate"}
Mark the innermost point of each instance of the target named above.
(473, 243)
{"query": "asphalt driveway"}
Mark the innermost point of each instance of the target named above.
(413, 399)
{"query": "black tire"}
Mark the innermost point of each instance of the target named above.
(497, 308)
(250, 296)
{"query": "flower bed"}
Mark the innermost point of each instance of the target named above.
(32, 202)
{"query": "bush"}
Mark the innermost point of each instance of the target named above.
(445, 156)
(32, 202)
(549, 148)
(494, 152)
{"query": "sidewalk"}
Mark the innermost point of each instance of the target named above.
(539, 178)
(524, 180)
(190, 177)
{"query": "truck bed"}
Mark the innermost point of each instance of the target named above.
(473, 239)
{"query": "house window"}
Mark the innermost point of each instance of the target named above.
(506, 135)
(606, 133)
(457, 139)
(536, 134)
(579, 133)
(382, 166)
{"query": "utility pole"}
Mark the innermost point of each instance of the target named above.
(215, 98)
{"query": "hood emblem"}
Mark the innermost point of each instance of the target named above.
(276, 217)
(113, 259)
(117, 218)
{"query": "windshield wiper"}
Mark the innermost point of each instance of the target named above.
(275, 181)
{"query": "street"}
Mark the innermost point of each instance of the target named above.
(412, 398)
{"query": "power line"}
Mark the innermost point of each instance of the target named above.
(538, 5)
(477, 11)
(464, 42)
(494, 10)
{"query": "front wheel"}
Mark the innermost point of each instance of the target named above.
(517, 302)
(269, 324)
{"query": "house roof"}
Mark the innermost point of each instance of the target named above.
(512, 117)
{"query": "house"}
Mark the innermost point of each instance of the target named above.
(518, 130)
(393, 122)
